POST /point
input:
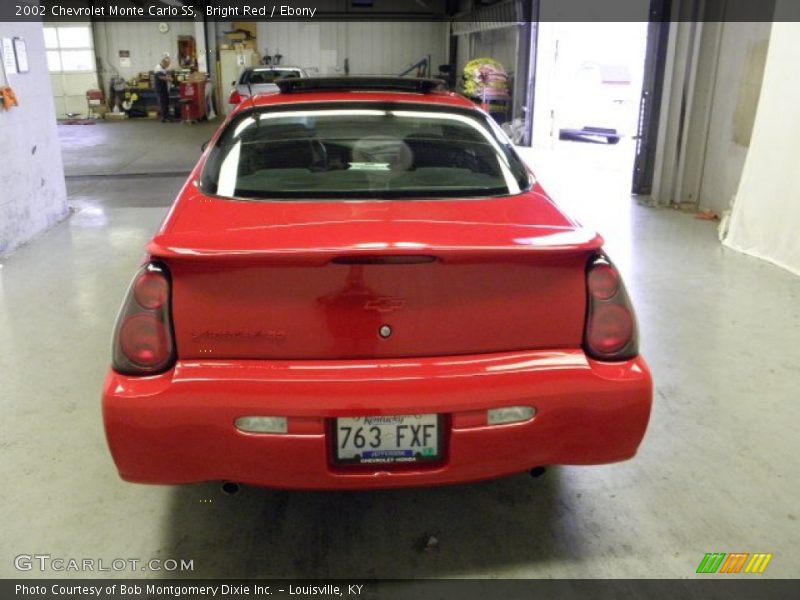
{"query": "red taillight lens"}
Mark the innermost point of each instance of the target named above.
(143, 341)
(151, 290)
(610, 322)
(612, 327)
(603, 282)
(235, 97)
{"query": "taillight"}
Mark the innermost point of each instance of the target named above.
(610, 323)
(143, 340)
(235, 97)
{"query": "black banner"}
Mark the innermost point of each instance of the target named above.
(466, 589)
(483, 11)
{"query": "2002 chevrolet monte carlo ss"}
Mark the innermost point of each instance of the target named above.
(361, 285)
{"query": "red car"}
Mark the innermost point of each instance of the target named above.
(361, 285)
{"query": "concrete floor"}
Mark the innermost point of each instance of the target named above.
(136, 146)
(717, 471)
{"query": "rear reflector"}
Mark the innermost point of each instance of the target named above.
(610, 322)
(262, 424)
(511, 414)
(143, 339)
(235, 97)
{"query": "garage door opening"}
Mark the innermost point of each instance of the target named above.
(595, 84)
(588, 87)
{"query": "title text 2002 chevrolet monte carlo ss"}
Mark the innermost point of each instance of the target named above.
(361, 285)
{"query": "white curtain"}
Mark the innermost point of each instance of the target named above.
(765, 220)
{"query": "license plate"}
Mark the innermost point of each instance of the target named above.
(388, 439)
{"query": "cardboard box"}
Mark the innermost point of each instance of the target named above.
(248, 26)
(236, 36)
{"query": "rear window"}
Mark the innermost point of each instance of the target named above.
(362, 151)
(267, 75)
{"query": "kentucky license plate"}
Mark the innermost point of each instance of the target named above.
(392, 439)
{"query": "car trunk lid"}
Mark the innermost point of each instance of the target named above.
(345, 280)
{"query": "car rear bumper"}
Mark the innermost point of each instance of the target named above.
(178, 427)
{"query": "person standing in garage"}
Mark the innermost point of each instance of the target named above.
(162, 87)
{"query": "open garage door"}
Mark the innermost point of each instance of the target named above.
(597, 87)
(71, 61)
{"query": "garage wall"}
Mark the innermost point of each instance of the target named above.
(373, 48)
(766, 214)
(735, 92)
(711, 92)
(33, 195)
(145, 42)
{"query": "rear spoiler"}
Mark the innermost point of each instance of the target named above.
(232, 246)
(371, 84)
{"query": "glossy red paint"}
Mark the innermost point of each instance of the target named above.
(267, 311)
(179, 427)
(276, 307)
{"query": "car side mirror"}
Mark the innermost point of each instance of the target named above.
(233, 83)
(204, 145)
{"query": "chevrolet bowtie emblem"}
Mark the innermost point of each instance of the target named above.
(385, 304)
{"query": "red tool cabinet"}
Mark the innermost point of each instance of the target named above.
(193, 101)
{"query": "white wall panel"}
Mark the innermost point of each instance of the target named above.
(712, 83)
(33, 197)
(390, 48)
(144, 41)
(373, 48)
(741, 44)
